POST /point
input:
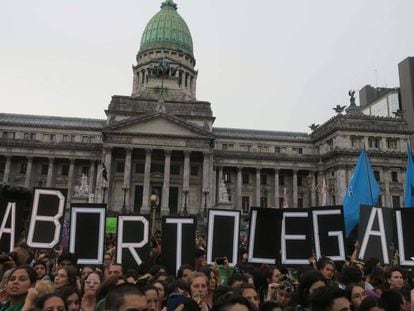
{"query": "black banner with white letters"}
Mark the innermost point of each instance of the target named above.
(178, 235)
(133, 247)
(404, 220)
(223, 235)
(264, 235)
(87, 232)
(48, 213)
(329, 232)
(375, 233)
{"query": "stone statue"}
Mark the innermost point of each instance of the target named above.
(351, 94)
(83, 189)
(223, 194)
(339, 109)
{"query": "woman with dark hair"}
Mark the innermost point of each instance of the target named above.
(162, 292)
(232, 302)
(327, 268)
(65, 276)
(377, 280)
(90, 287)
(212, 283)
(272, 277)
(356, 294)
(106, 286)
(371, 304)
(51, 302)
(72, 298)
(19, 282)
(184, 272)
(310, 281)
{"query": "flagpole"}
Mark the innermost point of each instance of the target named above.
(369, 180)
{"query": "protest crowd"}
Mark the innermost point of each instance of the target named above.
(39, 279)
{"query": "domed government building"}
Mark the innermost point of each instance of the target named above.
(162, 140)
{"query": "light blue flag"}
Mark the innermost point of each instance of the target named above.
(363, 189)
(409, 181)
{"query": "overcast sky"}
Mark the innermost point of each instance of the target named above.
(265, 64)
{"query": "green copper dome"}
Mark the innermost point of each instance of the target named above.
(167, 29)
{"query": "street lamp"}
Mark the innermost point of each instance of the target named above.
(153, 199)
(185, 191)
(124, 189)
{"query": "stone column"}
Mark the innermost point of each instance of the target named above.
(127, 178)
(295, 189)
(213, 184)
(91, 180)
(313, 189)
(28, 172)
(50, 173)
(206, 176)
(387, 193)
(340, 185)
(238, 203)
(186, 181)
(165, 210)
(70, 181)
(258, 170)
(108, 165)
(218, 183)
(6, 174)
(276, 189)
(147, 179)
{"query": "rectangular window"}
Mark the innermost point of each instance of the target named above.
(394, 176)
(262, 148)
(174, 169)
(245, 205)
(65, 170)
(194, 170)
(120, 165)
(277, 149)
(2, 167)
(139, 168)
(377, 175)
(396, 201)
(52, 137)
(45, 137)
(85, 139)
(300, 181)
(374, 142)
(157, 168)
(244, 147)
(26, 136)
(85, 170)
(72, 138)
(23, 168)
(44, 169)
(66, 138)
(263, 179)
(227, 146)
(392, 143)
(227, 177)
(263, 202)
(5, 134)
(245, 179)
(32, 136)
(281, 180)
(92, 139)
(297, 150)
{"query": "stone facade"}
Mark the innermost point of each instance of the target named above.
(161, 139)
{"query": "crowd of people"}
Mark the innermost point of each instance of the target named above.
(51, 280)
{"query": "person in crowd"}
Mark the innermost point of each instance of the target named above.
(251, 294)
(90, 287)
(200, 259)
(51, 302)
(271, 306)
(393, 300)
(65, 276)
(41, 270)
(162, 292)
(232, 302)
(107, 261)
(211, 275)
(371, 304)
(272, 277)
(153, 300)
(67, 259)
(198, 283)
(376, 280)
(184, 272)
(72, 298)
(309, 282)
(20, 280)
(329, 298)
(125, 297)
(84, 272)
(116, 269)
(327, 268)
(355, 293)
(237, 279)
(395, 278)
(24, 254)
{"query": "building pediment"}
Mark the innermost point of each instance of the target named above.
(158, 124)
